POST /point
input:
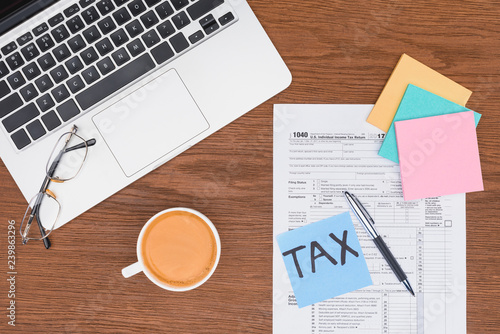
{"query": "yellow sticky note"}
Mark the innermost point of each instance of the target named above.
(410, 71)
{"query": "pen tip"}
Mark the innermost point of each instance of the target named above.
(408, 287)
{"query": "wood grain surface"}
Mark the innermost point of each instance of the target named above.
(338, 52)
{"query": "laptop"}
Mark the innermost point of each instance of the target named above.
(147, 79)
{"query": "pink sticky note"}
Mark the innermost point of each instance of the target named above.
(439, 155)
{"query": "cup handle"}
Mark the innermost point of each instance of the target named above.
(131, 270)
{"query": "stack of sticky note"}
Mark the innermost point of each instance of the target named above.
(429, 131)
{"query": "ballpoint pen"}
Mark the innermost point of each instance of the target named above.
(367, 221)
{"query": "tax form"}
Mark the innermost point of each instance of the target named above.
(321, 150)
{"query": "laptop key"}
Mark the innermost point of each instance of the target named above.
(202, 7)
(90, 15)
(74, 65)
(45, 102)
(90, 74)
(150, 38)
(61, 52)
(162, 53)
(106, 65)
(60, 33)
(75, 24)
(71, 10)
(59, 74)
(75, 84)
(85, 3)
(105, 6)
(55, 20)
(28, 92)
(76, 43)
(135, 47)
(44, 83)
(40, 29)
(20, 139)
(4, 89)
(16, 80)
(106, 25)
(104, 46)
(211, 28)
(15, 61)
(134, 28)
(115, 81)
(60, 93)
(180, 20)
(152, 2)
(68, 110)
(9, 48)
(118, 3)
(179, 42)
(24, 38)
(30, 51)
(196, 37)
(89, 56)
(121, 57)
(45, 42)
(91, 34)
(46, 61)
(165, 29)
(121, 16)
(136, 7)
(207, 20)
(51, 120)
(119, 37)
(149, 19)
(9, 104)
(20, 117)
(35, 129)
(164, 10)
(31, 71)
(3, 69)
(178, 4)
(226, 18)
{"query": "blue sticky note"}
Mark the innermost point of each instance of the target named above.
(324, 259)
(417, 103)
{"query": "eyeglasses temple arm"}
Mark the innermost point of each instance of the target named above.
(90, 142)
(52, 169)
(46, 241)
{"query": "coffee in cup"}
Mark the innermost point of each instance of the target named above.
(178, 249)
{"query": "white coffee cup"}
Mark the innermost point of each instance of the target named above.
(139, 265)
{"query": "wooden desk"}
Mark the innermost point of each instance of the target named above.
(338, 52)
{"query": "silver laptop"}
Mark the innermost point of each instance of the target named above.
(146, 78)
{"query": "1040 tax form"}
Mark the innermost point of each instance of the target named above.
(321, 150)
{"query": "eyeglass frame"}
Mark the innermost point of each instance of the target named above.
(50, 171)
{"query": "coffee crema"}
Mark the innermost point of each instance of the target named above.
(179, 249)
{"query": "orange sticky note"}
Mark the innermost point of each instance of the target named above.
(410, 71)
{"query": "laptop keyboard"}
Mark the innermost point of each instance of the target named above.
(82, 56)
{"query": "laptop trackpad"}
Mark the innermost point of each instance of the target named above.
(151, 122)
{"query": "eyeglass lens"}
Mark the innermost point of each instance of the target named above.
(67, 158)
(45, 210)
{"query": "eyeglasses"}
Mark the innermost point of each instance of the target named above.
(64, 164)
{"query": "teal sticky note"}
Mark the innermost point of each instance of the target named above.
(417, 103)
(324, 259)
